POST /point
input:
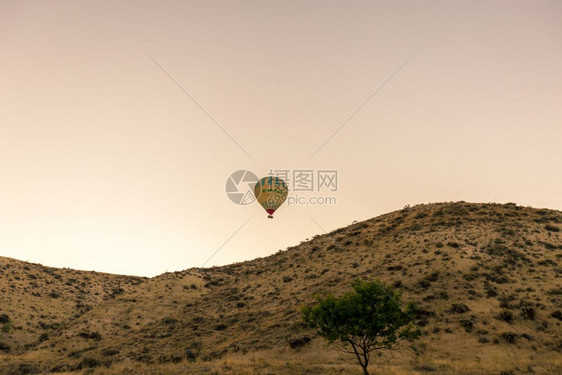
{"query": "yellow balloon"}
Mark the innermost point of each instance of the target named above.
(271, 192)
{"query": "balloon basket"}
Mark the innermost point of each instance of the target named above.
(270, 216)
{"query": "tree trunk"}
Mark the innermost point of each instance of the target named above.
(363, 354)
(365, 372)
(365, 361)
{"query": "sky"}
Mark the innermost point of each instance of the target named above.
(120, 122)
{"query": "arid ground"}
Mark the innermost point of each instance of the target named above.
(485, 278)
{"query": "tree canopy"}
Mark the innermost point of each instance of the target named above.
(363, 320)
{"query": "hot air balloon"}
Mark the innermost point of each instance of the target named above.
(271, 192)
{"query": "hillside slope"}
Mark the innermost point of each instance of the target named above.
(486, 278)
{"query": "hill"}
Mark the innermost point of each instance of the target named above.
(485, 277)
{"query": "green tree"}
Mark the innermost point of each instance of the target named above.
(366, 319)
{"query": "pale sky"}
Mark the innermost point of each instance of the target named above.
(107, 165)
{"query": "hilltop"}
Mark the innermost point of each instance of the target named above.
(485, 277)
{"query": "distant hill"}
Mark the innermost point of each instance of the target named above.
(486, 279)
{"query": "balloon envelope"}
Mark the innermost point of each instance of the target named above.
(271, 192)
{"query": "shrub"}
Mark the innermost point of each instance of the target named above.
(557, 314)
(109, 352)
(89, 362)
(424, 284)
(467, 325)
(527, 336)
(459, 308)
(4, 347)
(298, 342)
(6, 323)
(4, 319)
(169, 320)
(506, 316)
(191, 355)
(90, 335)
(286, 279)
(509, 337)
(26, 369)
(528, 313)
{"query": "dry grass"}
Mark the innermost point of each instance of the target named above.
(485, 278)
(546, 365)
